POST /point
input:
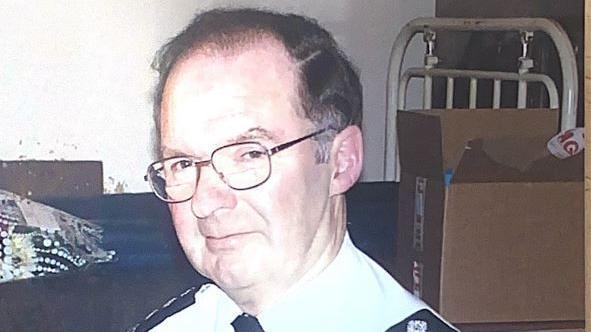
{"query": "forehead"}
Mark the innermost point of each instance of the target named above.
(212, 96)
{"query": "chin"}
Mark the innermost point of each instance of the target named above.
(242, 270)
(236, 277)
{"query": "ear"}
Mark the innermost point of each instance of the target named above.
(346, 159)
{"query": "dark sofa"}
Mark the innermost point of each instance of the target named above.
(151, 267)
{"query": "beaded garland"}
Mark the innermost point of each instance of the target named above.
(29, 248)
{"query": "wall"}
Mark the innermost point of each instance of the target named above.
(75, 80)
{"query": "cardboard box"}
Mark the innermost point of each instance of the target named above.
(490, 226)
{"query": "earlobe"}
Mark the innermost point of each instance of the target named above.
(346, 159)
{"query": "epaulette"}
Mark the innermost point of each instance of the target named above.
(422, 321)
(169, 308)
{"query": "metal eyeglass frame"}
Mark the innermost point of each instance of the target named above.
(201, 163)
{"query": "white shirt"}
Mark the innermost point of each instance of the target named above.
(353, 293)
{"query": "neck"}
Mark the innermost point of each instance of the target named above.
(322, 251)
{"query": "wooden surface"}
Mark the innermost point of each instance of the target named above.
(587, 91)
(565, 326)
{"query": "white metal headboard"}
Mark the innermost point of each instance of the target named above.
(397, 83)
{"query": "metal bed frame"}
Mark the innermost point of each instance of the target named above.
(397, 84)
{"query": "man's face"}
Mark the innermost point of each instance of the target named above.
(269, 235)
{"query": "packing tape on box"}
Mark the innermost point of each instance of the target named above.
(417, 279)
(419, 214)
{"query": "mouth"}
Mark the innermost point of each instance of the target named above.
(227, 242)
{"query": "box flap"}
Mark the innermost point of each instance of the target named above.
(433, 141)
(419, 143)
(496, 160)
(517, 152)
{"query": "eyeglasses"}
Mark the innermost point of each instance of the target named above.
(241, 166)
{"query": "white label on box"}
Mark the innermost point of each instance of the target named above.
(417, 279)
(419, 215)
(567, 143)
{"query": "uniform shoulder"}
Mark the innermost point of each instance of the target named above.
(422, 321)
(171, 307)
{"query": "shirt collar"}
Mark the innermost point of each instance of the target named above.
(274, 318)
(352, 285)
(227, 311)
(303, 299)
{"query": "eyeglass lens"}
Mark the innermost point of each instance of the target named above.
(241, 166)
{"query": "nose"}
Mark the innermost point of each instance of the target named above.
(211, 194)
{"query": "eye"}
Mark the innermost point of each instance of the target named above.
(252, 154)
(178, 165)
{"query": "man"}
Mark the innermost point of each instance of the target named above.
(259, 117)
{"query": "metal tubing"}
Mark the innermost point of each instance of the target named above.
(550, 27)
(521, 93)
(427, 90)
(473, 91)
(391, 162)
(405, 79)
(490, 75)
(449, 100)
(496, 94)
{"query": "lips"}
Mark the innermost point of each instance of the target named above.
(227, 242)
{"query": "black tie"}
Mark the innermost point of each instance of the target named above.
(247, 323)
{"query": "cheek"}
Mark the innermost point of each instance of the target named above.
(291, 204)
(187, 230)
(179, 215)
(268, 209)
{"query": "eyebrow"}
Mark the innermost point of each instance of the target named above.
(253, 133)
(166, 152)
